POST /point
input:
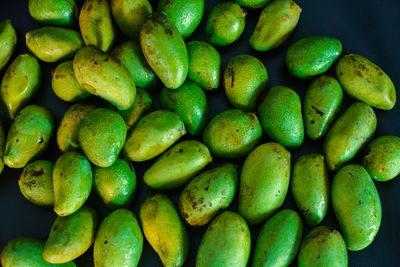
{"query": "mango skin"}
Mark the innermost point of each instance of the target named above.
(8, 41)
(323, 246)
(252, 3)
(54, 12)
(279, 240)
(119, 240)
(164, 230)
(232, 133)
(275, 24)
(365, 81)
(71, 236)
(264, 182)
(2, 146)
(164, 50)
(207, 194)
(226, 242)
(357, 206)
(310, 186)
(153, 134)
(190, 102)
(348, 134)
(245, 79)
(281, 117)
(28, 136)
(322, 103)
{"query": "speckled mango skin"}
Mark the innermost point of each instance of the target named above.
(2, 146)
(357, 206)
(310, 186)
(281, 117)
(252, 3)
(279, 240)
(28, 136)
(190, 102)
(164, 50)
(164, 230)
(264, 182)
(232, 133)
(119, 240)
(275, 24)
(51, 44)
(323, 246)
(350, 132)
(71, 236)
(245, 79)
(20, 83)
(226, 242)
(207, 194)
(54, 12)
(8, 41)
(225, 23)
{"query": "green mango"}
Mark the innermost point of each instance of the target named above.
(264, 182)
(116, 184)
(245, 79)
(275, 24)
(54, 12)
(164, 230)
(153, 134)
(119, 240)
(350, 132)
(36, 183)
(8, 41)
(177, 165)
(225, 23)
(208, 193)
(71, 236)
(310, 187)
(252, 3)
(2, 146)
(190, 102)
(204, 64)
(281, 117)
(279, 240)
(226, 242)
(26, 251)
(323, 246)
(365, 81)
(51, 44)
(28, 136)
(357, 206)
(322, 103)
(101, 136)
(232, 133)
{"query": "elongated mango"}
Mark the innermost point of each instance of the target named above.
(8, 41)
(54, 12)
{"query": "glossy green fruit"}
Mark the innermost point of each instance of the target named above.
(8, 41)
(54, 12)
(2, 146)
(252, 3)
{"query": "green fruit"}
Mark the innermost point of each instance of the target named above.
(281, 118)
(252, 3)
(245, 78)
(208, 194)
(8, 41)
(357, 206)
(2, 146)
(350, 132)
(232, 133)
(264, 182)
(54, 12)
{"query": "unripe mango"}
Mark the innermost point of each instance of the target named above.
(8, 41)
(54, 12)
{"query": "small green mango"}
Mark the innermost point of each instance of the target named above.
(310, 187)
(226, 242)
(281, 117)
(323, 246)
(275, 24)
(232, 133)
(279, 240)
(264, 182)
(52, 44)
(164, 230)
(119, 240)
(225, 23)
(28, 136)
(2, 146)
(252, 3)
(245, 79)
(8, 41)
(54, 12)
(71, 236)
(153, 134)
(104, 76)
(357, 206)
(350, 132)
(208, 193)
(190, 102)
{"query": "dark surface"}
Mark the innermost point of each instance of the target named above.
(369, 28)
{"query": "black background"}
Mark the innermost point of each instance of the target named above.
(370, 28)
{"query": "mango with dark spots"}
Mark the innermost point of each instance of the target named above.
(8, 41)
(2, 146)
(252, 3)
(54, 12)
